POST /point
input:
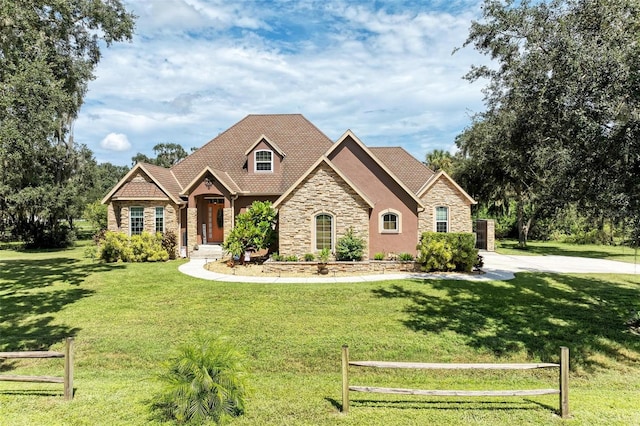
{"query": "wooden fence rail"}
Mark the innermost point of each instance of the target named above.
(67, 379)
(562, 389)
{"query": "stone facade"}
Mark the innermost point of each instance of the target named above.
(118, 215)
(323, 191)
(365, 267)
(228, 221)
(192, 228)
(491, 235)
(444, 194)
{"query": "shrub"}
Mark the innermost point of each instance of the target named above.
(170, 243)
(309, 257)
(324, 255)
(138, 248)
(405, 257)
(277, 258)
(204, 381)
(447, 251)
(350, 246)
(253, 228)
(291, 258)
(378, 256)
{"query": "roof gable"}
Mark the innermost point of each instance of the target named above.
(311, 169)
(161, 178)
(349, 135)
(273, 146)
(443, 175)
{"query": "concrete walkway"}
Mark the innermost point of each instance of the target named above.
(496, 267)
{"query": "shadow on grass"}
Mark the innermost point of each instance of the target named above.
(32, 292)
(536, 313)
(440, 404)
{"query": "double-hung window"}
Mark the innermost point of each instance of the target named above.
(442, 219)
(264, 161)
(136, 220)
(159, 219)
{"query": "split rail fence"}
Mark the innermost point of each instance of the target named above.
(67, 378)
(562, 390)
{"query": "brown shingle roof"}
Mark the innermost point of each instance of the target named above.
(405, 166)
(302, 142)
(139, 189)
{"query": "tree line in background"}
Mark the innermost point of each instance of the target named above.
(557, 150)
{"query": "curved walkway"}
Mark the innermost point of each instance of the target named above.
(496, 266)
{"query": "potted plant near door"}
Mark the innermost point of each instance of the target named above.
(323, 258)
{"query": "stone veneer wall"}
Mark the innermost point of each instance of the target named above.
(192, 228)
(491, 235)
(118, 216)
(227, 215)
(444, 194)
(371, 266)
(324, 191)
(120, 223)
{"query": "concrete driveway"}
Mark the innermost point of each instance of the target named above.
(504, 266)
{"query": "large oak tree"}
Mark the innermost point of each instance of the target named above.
(562, 119)
(48, 54)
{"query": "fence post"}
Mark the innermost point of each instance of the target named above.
(68, 369)
(564, 382)
(345, 379)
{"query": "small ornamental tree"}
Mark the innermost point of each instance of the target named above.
(254, 229)
(350, 246)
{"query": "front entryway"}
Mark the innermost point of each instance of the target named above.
(215, 220)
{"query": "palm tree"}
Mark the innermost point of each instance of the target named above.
(439, 159)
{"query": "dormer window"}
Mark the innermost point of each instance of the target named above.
(263, 161)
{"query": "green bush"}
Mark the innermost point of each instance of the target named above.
(291, 258)
(309, 257)
(204, 381)
(170, 243)
(447, 251)
(277, 258)
(253, 229)
(378, 256)
(138, 248)
(350, 246)
(405, 257)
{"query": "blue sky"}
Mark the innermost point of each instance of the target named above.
(383, 69)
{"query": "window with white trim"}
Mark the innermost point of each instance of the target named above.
(324, 231)
(136, 220)
(442, 219)
(390, 222)
(160, 219)
(263, 161)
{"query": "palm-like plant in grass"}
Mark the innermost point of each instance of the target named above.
(205, 380)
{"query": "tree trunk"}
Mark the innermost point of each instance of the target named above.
(522, 228)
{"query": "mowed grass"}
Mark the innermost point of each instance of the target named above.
(128, 318)
(555, 248)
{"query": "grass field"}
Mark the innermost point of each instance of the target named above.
(127, 318)
(542, 248)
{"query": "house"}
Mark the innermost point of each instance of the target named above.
(320, 189)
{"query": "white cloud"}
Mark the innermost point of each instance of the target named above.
(195, 67)
(115, 142)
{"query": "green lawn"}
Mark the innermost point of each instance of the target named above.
(127, 318)
(536, 248)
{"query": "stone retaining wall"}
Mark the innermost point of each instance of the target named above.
(371, 267)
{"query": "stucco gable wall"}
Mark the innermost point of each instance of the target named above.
(444, 194)
(387, 196)
(322, 191)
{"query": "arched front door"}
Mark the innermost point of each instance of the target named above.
(215, 221)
